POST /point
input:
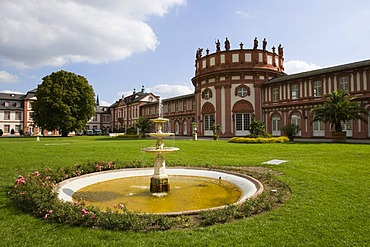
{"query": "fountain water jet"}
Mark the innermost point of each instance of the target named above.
(159, 180)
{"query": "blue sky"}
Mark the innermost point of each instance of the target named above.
(122, 45)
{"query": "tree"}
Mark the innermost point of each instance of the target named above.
(144, 125)
(339, 107)
(65, 101)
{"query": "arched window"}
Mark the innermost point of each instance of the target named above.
(177, 127)
(296, 119)
(276, 129)
(185, 128)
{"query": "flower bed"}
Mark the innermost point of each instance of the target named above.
(37, 194)
(280, 139)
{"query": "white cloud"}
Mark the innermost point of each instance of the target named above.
(6, 77)
(52, 33)
(163, 90)
(11, 92)
(297, 66)
(104, 103)
(168, 91)
(243, 14)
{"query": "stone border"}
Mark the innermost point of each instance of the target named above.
(249, 186)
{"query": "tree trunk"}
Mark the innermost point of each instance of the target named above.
(338, 137)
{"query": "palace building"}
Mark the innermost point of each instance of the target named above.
(232, 88)
(235, 87)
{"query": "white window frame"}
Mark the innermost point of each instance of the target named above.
(242, 124)
(276, 129)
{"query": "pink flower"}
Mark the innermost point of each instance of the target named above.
(121, 206)
(37, 174)
(20, 180)
(84, 212)
(47, 177)
(48, 213)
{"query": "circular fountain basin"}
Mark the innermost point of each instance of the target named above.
(161, 134)
(246, 187)
(159, 150)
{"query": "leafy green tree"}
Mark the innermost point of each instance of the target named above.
(339, 107)
(65, 101)
(144, 125)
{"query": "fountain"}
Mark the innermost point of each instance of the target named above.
(159, 180)
(193, 189)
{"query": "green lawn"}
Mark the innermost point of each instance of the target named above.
(330, 183)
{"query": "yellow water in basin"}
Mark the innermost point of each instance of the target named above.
(186, 193)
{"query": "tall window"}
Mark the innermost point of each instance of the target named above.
(242, 122)
(185, 128)
(169, 108)
(6, 128)
(296, 120)
(344, 84)
(275, 94)
(17, 128)
(318, 128)
(276, 125)
(317, 88)
(18, 115)
(185, 105)
(209, 121)
(295, 91)
(7, 115)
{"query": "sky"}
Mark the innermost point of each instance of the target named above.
(118, 46)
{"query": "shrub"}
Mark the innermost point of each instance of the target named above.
(280, 139)
(1, 132)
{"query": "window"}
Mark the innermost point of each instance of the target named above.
(207, 94)
(208, 122)
(295, 91)
(318, 128)
(235, 58)
(185, 105)
(6, 103)
(275, 94)
(276, 125)
(343, 84)
(296, 120)
(242, 121)
(176, 106)
(18, 115)
(317, 88)
(7, 115)
(17, 128)
(242, 91)
(6, 128)
(95, 118)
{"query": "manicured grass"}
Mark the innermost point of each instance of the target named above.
(329, 205)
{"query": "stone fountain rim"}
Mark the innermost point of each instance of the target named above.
(113, 174)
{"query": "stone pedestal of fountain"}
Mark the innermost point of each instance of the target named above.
(159, 181)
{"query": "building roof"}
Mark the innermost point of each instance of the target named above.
(179, 97)
(318, 72)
